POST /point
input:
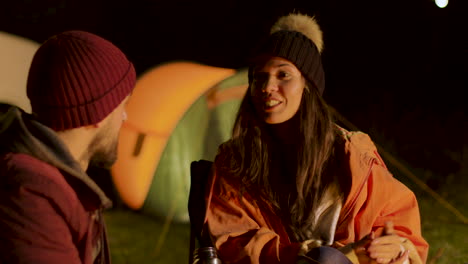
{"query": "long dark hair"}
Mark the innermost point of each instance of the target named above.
(250, 160)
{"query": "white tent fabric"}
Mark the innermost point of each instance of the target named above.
(16, 54)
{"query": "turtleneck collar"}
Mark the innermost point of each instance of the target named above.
(286, 133)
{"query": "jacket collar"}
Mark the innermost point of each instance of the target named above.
(21, 133)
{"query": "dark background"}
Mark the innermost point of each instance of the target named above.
(396, 69)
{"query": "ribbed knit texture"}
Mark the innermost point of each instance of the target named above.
(298, 49)
(77, 79)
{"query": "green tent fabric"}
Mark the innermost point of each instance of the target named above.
(197, 136)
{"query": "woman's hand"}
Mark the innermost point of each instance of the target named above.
(360, 248)
(388, 248)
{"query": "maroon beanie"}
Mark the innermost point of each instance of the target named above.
(77, 79)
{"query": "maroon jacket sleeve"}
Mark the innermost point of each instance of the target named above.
(33, 226)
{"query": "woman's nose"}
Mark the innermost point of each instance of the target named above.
(270, 85)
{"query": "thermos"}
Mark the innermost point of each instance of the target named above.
(206, 255)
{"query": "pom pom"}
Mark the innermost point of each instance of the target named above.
(301, 23)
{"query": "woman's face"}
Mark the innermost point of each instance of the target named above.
(277, 89)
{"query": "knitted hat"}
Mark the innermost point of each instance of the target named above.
(77, 79)
(297, 38)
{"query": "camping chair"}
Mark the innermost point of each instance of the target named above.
(199, 235)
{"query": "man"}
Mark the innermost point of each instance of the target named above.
(50, 209)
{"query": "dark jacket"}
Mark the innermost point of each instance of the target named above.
(50, 209)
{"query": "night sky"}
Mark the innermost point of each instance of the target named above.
(396, 69)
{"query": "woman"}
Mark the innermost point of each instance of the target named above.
(292, 186)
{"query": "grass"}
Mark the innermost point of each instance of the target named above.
(446, 236)
(138, 238)
(446, 233)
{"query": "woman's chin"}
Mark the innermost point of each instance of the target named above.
(272, 120)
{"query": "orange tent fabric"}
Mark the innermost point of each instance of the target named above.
(160, 99)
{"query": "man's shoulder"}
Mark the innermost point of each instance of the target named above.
(19, 162)
(26, 170)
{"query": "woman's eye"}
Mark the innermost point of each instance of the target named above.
(283, 75)
(260, 77)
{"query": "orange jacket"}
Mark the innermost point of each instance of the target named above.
(244, 232)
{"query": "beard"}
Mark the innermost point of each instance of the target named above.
(103, 151)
